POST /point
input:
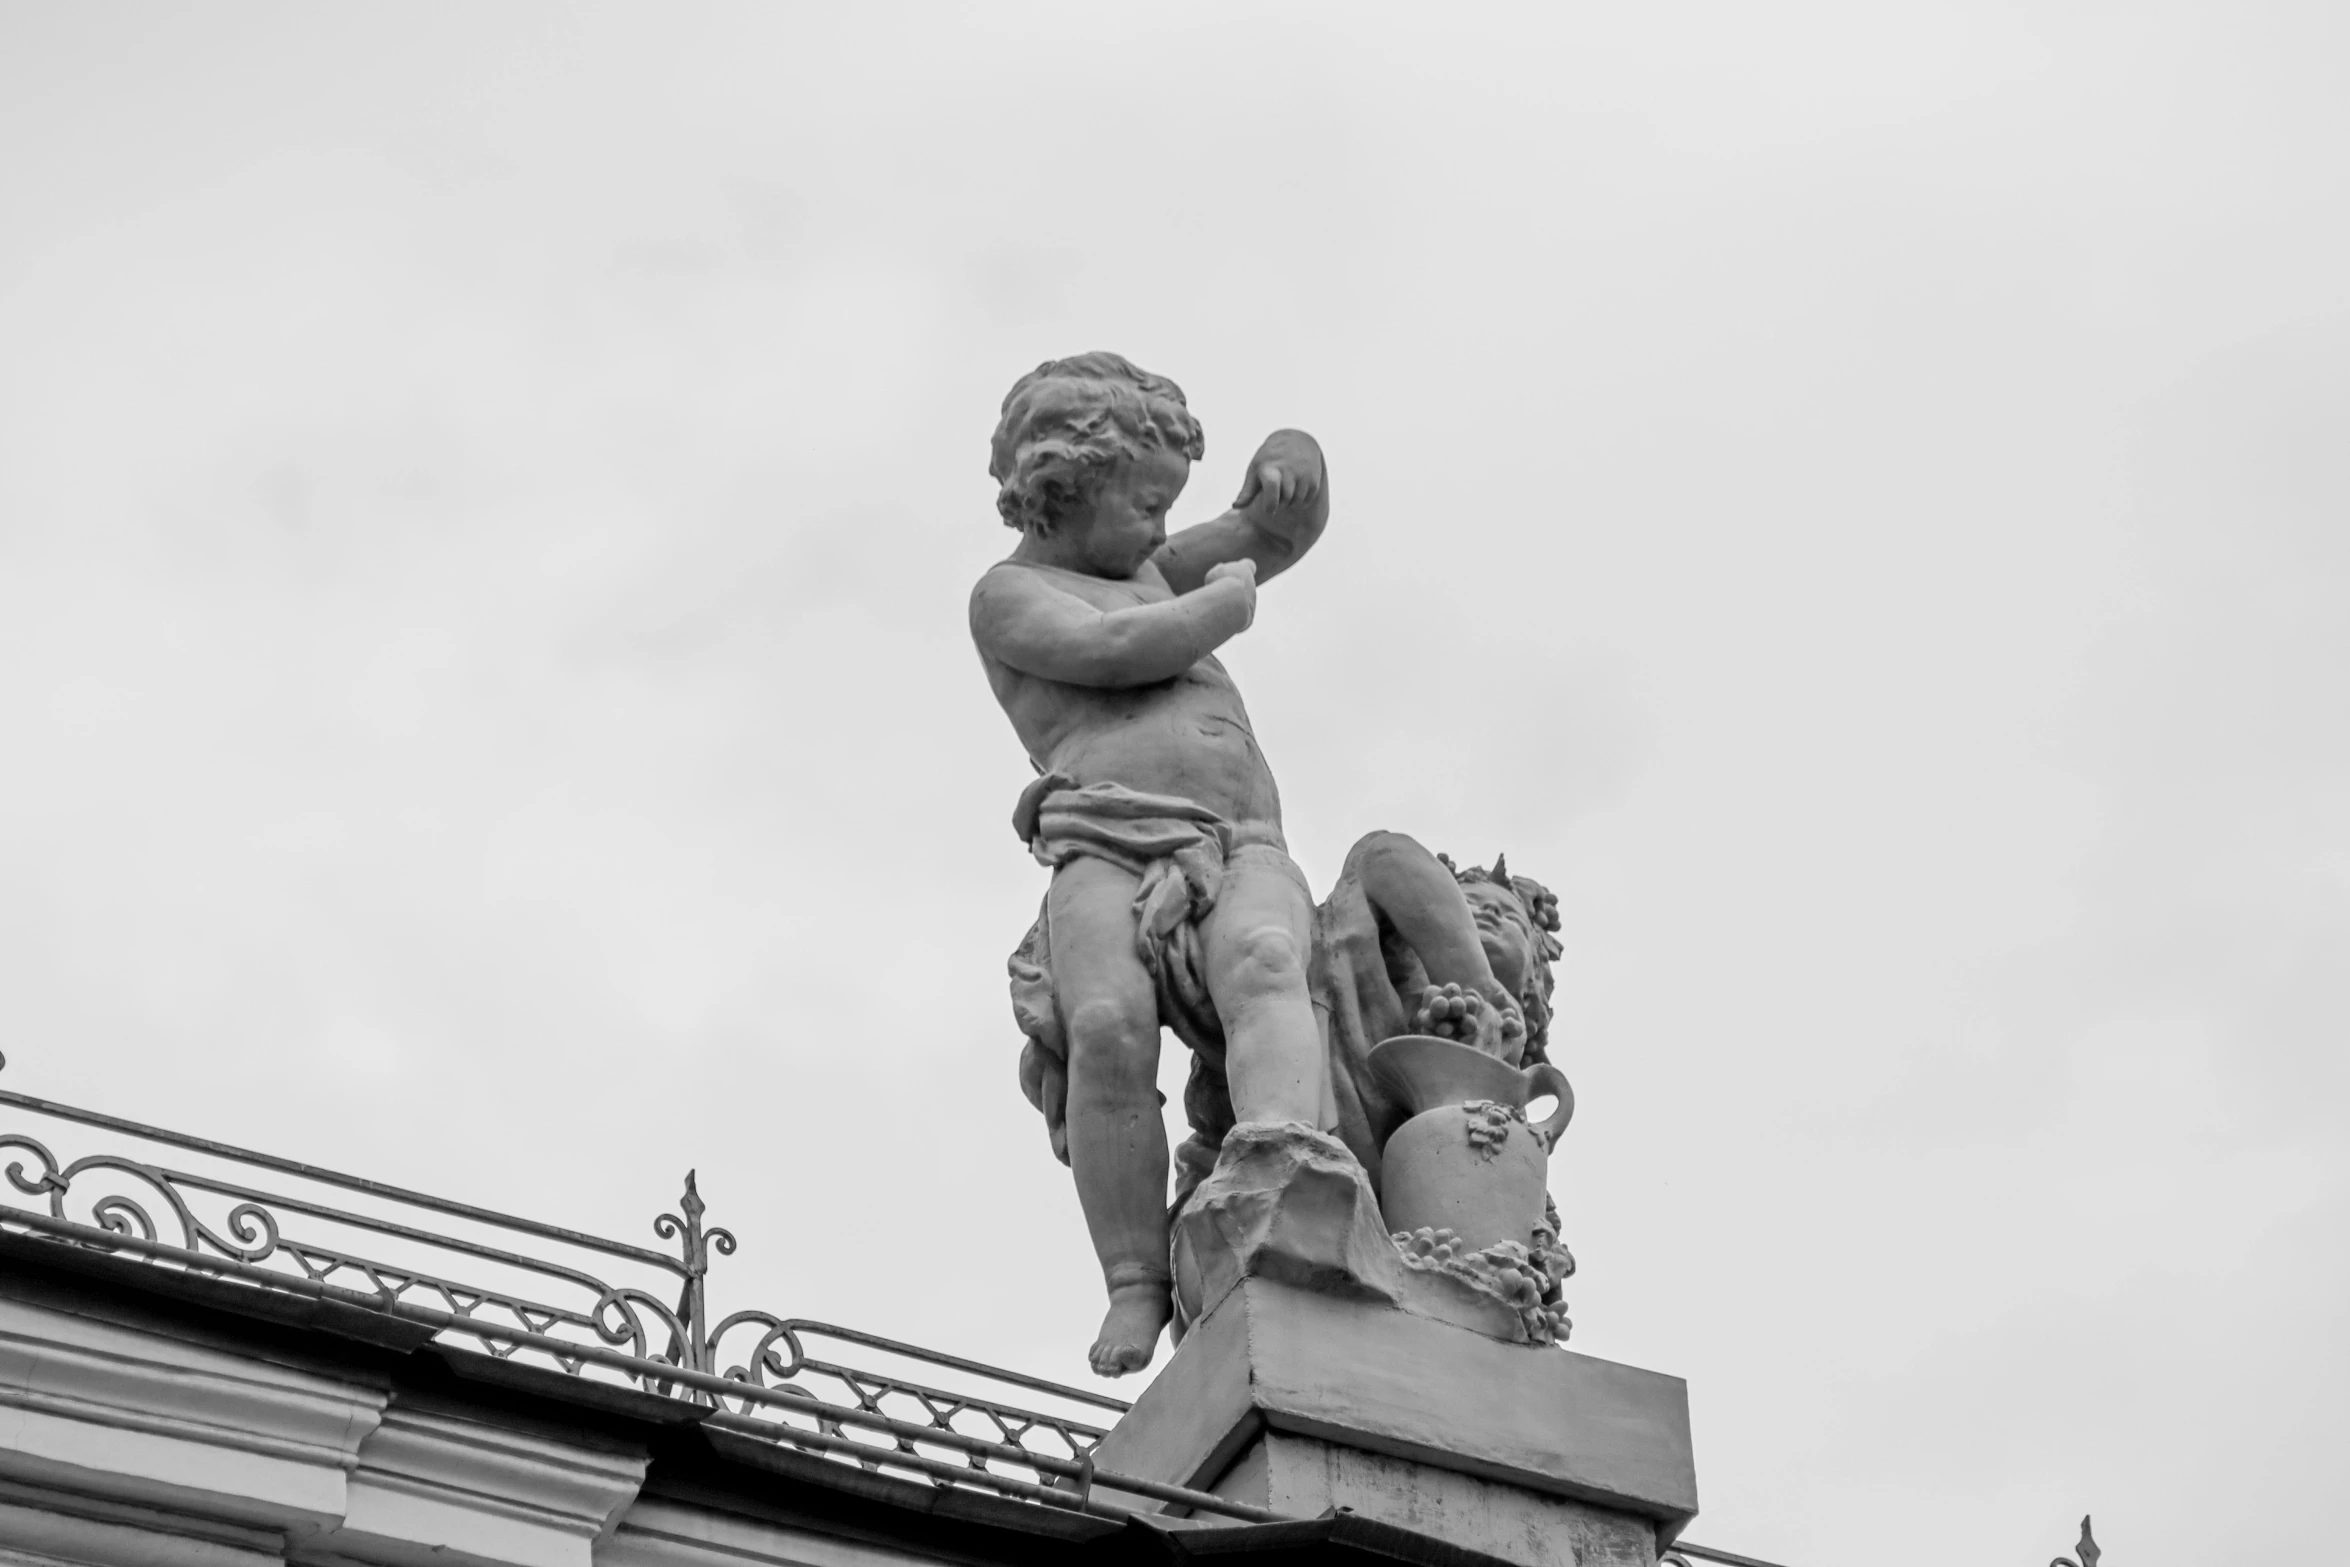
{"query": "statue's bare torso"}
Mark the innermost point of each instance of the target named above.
(1188, 736)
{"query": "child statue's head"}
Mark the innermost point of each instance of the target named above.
(1517, 923)
(1068, 421)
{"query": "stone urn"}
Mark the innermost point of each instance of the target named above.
(1468, 1160)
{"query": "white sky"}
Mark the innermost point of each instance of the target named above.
(1857, 497)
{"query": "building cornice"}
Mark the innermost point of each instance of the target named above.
(107, 1410)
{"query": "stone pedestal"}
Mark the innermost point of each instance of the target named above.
(1304, 1402)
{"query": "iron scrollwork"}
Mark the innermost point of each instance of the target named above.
(994, 1433)
(573, 1318)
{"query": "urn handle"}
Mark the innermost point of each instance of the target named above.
(1543, 1078)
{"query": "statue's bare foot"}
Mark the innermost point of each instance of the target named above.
(1453, 1012)
(1130, 1332)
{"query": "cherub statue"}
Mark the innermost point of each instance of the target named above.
(1153, 805)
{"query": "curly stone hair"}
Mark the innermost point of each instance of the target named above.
(1067, 420)
(1542, 912)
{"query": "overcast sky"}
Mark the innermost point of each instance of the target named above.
(1857, 497)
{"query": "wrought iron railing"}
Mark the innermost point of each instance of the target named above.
(575, 1303)
(591, 1308)
(1683, 1554)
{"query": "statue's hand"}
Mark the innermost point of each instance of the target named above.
(1285, 492)
(1451, 1012)
(1243, 572)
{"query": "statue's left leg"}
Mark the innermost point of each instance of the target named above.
(1255, 943)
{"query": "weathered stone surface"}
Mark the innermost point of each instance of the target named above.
(1497, 1293)
(1285, 1203)
(1289, 1204)
(1308, 1476)
(1545, 1424)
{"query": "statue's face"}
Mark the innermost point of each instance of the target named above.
(1129, 513)
(1504, 931)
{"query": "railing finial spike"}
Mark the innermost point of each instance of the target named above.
(2088, 1549)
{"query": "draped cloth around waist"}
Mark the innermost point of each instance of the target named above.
(1179, 852)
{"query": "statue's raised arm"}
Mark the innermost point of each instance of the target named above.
(1282, 508)
(1031, 623)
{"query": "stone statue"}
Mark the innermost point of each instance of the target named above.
(1174, 901)
(1152, 805)
(1405, 943)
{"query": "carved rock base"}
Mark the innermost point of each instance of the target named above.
(1521, 1280)
(1284, 1202)
(1287, 1203)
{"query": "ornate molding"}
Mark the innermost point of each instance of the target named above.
(42, 1526)
(664, 1534)
(436, 1484)
(137, 1416)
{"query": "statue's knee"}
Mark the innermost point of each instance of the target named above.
(1110, 1028)
(1266, 961)
(1113, 1055)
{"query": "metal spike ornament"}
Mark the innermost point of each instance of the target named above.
(2087, 1548)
